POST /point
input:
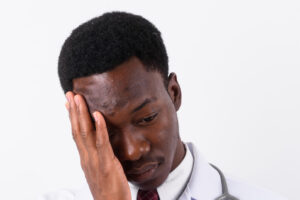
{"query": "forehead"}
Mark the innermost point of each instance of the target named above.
(127, 84)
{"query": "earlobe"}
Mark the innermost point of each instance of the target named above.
(174, 90)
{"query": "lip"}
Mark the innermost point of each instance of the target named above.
(143, 173)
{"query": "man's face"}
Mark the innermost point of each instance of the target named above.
(140, 115)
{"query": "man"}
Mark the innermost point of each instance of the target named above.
(122, 104)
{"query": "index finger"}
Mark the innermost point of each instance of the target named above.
(102, 139)
(85, 123)
(74, 123)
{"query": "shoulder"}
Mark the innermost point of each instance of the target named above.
(205, 183)
(250, 192)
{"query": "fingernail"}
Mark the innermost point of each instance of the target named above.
(96, 117)
(76, 100)
(68, 98)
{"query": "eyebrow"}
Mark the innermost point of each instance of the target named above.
(145, 102)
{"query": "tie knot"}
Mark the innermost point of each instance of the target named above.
(147, 195)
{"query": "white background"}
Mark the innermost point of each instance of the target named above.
(237, 62)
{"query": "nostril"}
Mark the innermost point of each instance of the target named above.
(145, 147)
(132, 148)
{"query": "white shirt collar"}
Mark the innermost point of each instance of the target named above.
(205, 181)
(176, 181)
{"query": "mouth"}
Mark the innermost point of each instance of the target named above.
(142, 173)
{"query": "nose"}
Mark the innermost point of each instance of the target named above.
(132, 146)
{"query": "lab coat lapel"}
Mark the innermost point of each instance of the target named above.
(204, 182)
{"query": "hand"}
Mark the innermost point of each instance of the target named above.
(103, 171)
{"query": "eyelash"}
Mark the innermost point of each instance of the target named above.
(149, 119)
(144, 120)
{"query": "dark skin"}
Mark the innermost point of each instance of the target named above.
(135, 135)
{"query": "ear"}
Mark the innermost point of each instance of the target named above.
(174, 90)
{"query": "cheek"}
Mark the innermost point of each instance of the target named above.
(166, 133)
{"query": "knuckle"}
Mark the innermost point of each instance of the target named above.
(84, 164)
(84, 133)
(108, 167)
(100, 144)
(106, 170)
(74, 137)
(75, 134)
(102, 141)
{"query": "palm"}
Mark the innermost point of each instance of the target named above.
(103, 171)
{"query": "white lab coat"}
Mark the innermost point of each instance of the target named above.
(204, 184)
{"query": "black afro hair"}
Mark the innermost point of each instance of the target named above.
(104, 42)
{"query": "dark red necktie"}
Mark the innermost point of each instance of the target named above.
(147, 195)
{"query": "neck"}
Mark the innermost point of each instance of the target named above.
(179, 154)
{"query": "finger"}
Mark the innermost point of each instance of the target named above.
(67, 106)
(85, 124)
(103, 145)
(74, 124)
